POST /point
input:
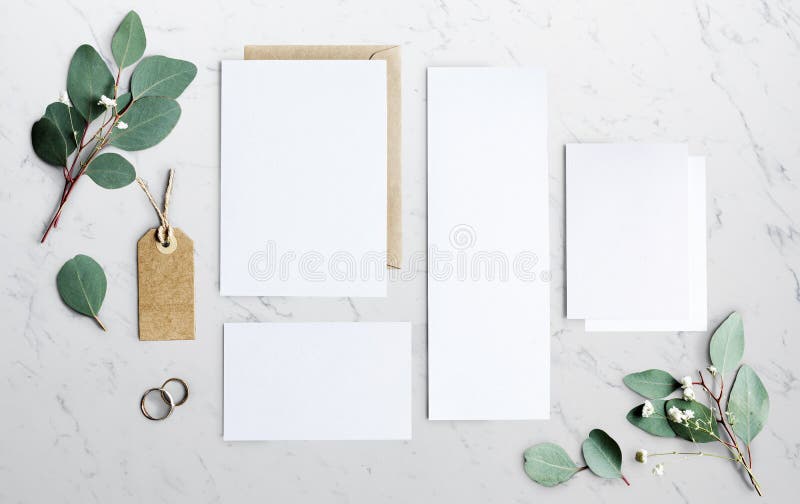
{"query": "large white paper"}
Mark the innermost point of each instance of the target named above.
(303, 189)
(698, 320)
(627, 231)
(317, 381)
(488, 233)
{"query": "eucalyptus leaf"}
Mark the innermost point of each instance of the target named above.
(82, 284)
(602, 455)
(122, 101)
(149, 121)
(129, 41)
(696, 429)
(111, 171)
(87, 80)
(749, 404)
(48, 143)
(162, 76)
(68, 122)
(727, 344)
(656, 424)
(548, 464)
(652, 384)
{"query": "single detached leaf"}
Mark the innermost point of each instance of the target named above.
(652, 384)
(111, 171)
(548, 464)
(68, 122)
(656, 424)
(122, 101)
(87, 80)
(602, 455)
(129, 41)
(727, 344)
(749, 404)
(162, 76)
(698, 427)
(48, 143)
(82, 285)
(149, 121)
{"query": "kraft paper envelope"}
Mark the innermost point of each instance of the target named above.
(391, 54)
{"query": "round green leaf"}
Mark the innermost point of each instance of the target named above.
(68, 122)
(82, 284)
(602, 455)
(122, 101)
(652, 384)
(697, 428)
(87, 80)
(111, 171)
(129, 41)
(727, 344)
(548, 464)
(162, 76)
(749, 404)
(656, 424)
(149, 120)
(48, 143)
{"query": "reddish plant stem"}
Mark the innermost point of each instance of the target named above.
(69, 179)
(734, 444)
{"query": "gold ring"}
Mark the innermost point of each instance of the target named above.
(185, 390)
(166, 396)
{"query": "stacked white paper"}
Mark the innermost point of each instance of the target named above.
(636, 237)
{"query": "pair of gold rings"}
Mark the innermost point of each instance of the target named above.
(166, 397)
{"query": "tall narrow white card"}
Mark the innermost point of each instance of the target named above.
(698, 297)
(303, 187)
(317, 381)
(627, 231)
(488, 237)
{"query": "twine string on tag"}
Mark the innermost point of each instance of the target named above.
(164, 234)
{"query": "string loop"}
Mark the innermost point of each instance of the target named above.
(164, 235)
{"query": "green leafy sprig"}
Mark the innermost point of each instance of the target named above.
(549, 465)
(731, 418)
(130, 120)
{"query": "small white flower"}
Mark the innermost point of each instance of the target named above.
(658, 470)
(122, 125)
(731, 417)
(647, 409)
(688, 394)
(641, 456)
(108, 102)
(64, 98)
(688, 414)
(712, 370)
(686, 382)
(675, 415)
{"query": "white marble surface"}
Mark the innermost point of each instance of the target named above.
(722, 75)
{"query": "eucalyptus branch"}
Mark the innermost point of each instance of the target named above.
(693, 421)
(64, 136)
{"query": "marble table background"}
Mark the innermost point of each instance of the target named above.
(722, 75)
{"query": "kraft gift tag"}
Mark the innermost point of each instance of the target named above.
(166, 279)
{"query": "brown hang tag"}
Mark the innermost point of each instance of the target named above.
(166, 279)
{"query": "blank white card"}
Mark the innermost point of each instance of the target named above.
(303, 188)
(698, 296)
(317, 381)
(628, 232)
(488, 233)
